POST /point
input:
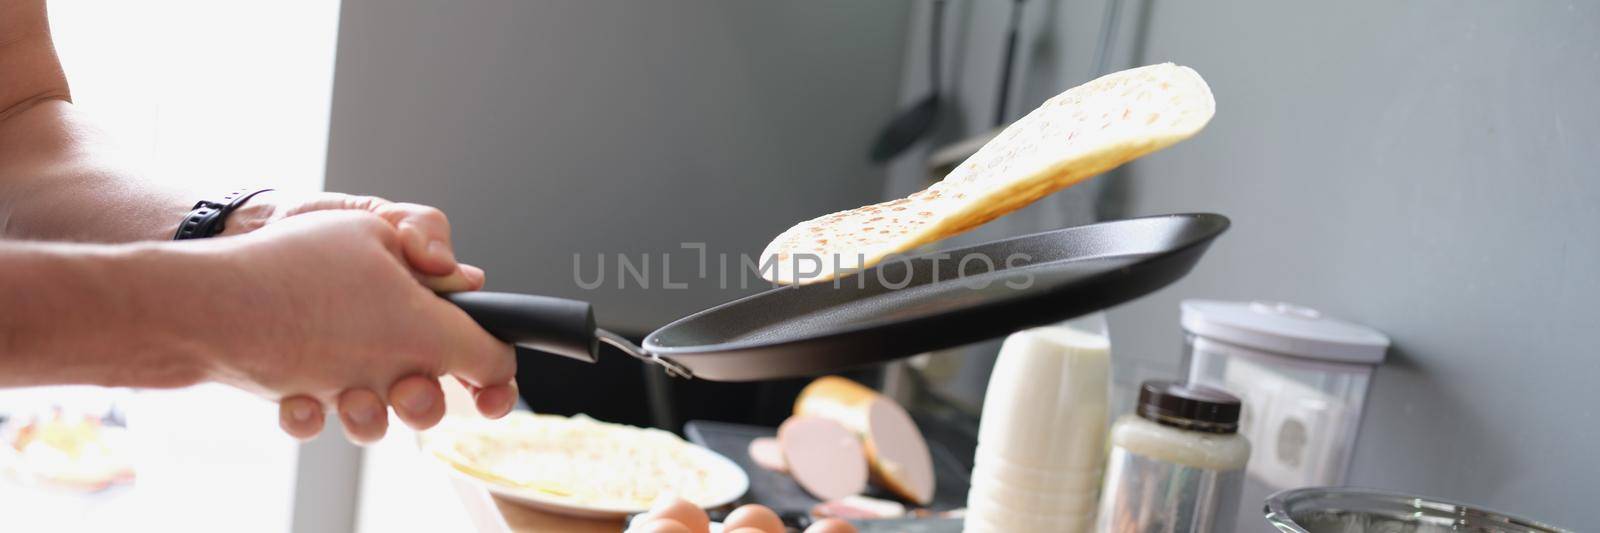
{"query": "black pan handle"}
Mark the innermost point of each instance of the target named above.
(555, 325)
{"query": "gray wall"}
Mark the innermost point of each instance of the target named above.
(1429, 168)
(552, 128)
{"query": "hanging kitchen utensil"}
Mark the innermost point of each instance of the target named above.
(896, 309)
(1108, 37)
(945, 159)
(1007, 62)
(914, 123)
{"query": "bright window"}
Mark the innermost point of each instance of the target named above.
(204, 94)
(208, 92)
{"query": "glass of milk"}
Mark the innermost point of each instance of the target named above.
(1042, 436)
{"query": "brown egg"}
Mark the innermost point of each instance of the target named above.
(754, 516)
(681, 511)
(747, 530)
(831, 525)
(660, 525)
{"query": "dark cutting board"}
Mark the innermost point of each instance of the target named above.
(782, 494)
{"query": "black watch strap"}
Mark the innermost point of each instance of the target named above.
(205, 220)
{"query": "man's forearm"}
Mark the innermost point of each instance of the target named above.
(60, 180)
(56, 179)
(129, 315)
(29, 69)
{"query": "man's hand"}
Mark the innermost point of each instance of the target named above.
(424, 237)
(54, 154)
(424, 231)
(337, 317)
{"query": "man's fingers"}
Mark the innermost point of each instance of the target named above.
(464, 279)
(364, 415)
(472, 354)
(493, 362)
(300, 416)
(474, 275)
(418, 401)
(424, 230)
(495, 401)
(485, 366)
(471, 389)
(425, 233)
(330, 201)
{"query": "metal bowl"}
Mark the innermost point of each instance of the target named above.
(1351, 510)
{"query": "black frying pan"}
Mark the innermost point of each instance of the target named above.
(899, 308)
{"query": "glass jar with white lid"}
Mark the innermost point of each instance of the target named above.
(1302, 377)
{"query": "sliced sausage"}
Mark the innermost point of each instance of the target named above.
(823, 456)
(896, 451)
(766, 453)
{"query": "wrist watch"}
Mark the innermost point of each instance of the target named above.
(205, 220)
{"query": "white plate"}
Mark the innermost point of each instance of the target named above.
(735, 484)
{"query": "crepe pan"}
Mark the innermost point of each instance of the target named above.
(899, 308)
